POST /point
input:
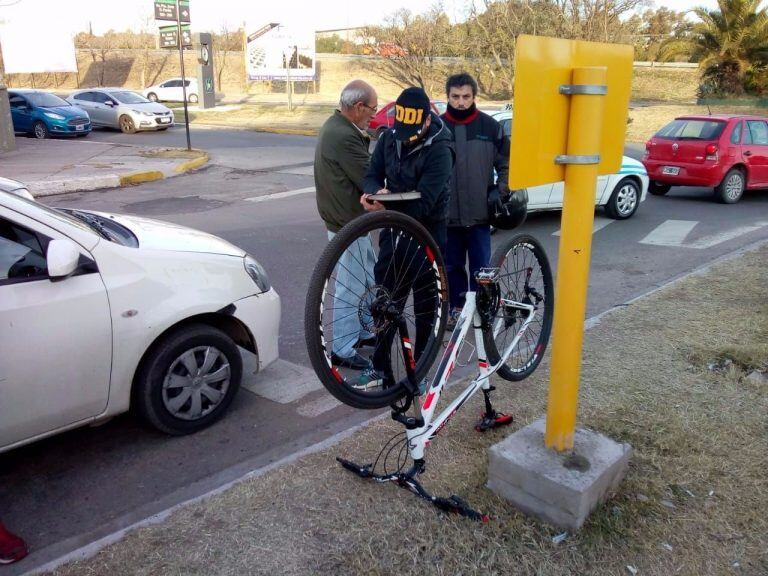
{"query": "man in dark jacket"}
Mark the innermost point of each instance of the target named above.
(341, 161)
(480, 146)
(416, 155)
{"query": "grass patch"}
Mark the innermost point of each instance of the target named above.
(694, 500)
(303, 119)
(665, 84)
(171, 153)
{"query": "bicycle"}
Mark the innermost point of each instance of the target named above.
(405, 294)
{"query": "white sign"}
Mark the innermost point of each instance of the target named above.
(276, 52)
(47, 50)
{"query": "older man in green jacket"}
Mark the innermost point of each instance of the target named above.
(341, 161)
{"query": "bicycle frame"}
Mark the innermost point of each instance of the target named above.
(420, 437)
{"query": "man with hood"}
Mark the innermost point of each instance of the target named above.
(416, 155)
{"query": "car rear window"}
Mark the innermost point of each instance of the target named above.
(682, 129)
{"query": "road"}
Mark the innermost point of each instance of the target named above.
(67, 491)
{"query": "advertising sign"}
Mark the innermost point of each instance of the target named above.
(25, 53)
(277, 52)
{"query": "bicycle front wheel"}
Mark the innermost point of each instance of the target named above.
(376, 309)
(525, 277)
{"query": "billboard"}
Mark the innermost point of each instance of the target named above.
(277, 52)
(49, 49)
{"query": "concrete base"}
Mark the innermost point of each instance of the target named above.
(535, 479)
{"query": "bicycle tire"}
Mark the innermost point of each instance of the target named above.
(412, 240)
(529, 351)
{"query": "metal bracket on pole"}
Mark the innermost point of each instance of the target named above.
(577, 159)
(586, 89)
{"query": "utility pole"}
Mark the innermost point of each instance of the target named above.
(183, 75)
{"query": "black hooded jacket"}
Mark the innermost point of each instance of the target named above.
(425, 168)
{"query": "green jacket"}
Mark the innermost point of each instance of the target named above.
(341, 161)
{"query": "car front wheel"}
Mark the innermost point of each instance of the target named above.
(188, 379)
(40, 130)
(193, 98)
(731, 189)
(127, 125)
(624, 201)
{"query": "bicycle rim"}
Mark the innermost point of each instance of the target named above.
(382, 280)
(524, 277)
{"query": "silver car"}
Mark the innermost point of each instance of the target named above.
(120, 108)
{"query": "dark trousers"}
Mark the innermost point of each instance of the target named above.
(466, 241)
(403, 269)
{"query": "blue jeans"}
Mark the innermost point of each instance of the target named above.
(354, 273)
(466, 241)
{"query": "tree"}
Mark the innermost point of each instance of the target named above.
(655, 28)
(225, 43)
(730, 44)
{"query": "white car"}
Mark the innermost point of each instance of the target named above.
(15, 187)
(620, 193)
(171, 91)
(123, 109)
(102, 312)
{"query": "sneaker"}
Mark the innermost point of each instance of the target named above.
(356, 362)
(370, 378)
(453, 318)
(12, 548)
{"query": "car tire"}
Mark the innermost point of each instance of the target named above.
(82, 135)
(152, 97)
(731, 189)
(624, 200)
(657, 188)
(40, 130)
(127, 125)
(174, 360)
(193, 98)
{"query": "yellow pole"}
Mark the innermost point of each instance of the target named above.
(584, 130)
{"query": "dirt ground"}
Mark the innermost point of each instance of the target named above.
(680, 375)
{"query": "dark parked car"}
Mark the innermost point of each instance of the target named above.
(43, 115)
(727, 153)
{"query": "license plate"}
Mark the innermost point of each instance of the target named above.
(163, 120)
(671, 170)
(80, 128)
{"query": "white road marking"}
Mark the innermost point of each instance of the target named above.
(278, 195)
(669, 233)
(316, 407)
(284, 382)
(599, 224)
(714, 239)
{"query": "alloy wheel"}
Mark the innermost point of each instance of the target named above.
(735, 186)
(626, 199)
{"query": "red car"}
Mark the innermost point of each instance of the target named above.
(727, 153)
(385, 118)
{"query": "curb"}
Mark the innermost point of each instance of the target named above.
(42, 188)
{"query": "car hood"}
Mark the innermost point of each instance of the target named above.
(160, 235)
(148, 107)
(66, 111)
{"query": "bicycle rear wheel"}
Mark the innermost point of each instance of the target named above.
(380, 283)
(525, 277)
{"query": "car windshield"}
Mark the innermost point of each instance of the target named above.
(682, 129)
(127, 97)
(45, 100)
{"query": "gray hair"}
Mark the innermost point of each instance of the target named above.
(354, 92)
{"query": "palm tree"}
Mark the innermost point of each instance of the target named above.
(727, 43)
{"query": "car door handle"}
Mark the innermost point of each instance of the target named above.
(747, 153)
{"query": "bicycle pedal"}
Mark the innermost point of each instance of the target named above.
(494, 421)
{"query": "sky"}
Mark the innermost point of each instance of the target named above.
(213, 15)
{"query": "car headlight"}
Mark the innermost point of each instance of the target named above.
(141, 112)
(54, 115)
(257, 273)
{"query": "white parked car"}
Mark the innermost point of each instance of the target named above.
(123, 109)
(15, 187)
(102, 312)
(620, 193)
(171, 91)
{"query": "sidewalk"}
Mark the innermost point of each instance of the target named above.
(679, 374)
(57, 166)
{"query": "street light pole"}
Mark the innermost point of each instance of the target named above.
(183, 75)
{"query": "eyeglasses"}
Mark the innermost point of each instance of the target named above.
(373, 109)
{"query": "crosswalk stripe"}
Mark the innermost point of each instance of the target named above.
(316, 407)
(670, 233)
(714, 239)
(599, 224)
(278, 195)
(284, 382)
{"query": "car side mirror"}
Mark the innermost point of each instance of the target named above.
(62, 258)
(110, 103)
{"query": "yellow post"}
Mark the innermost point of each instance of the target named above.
(584, 136)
